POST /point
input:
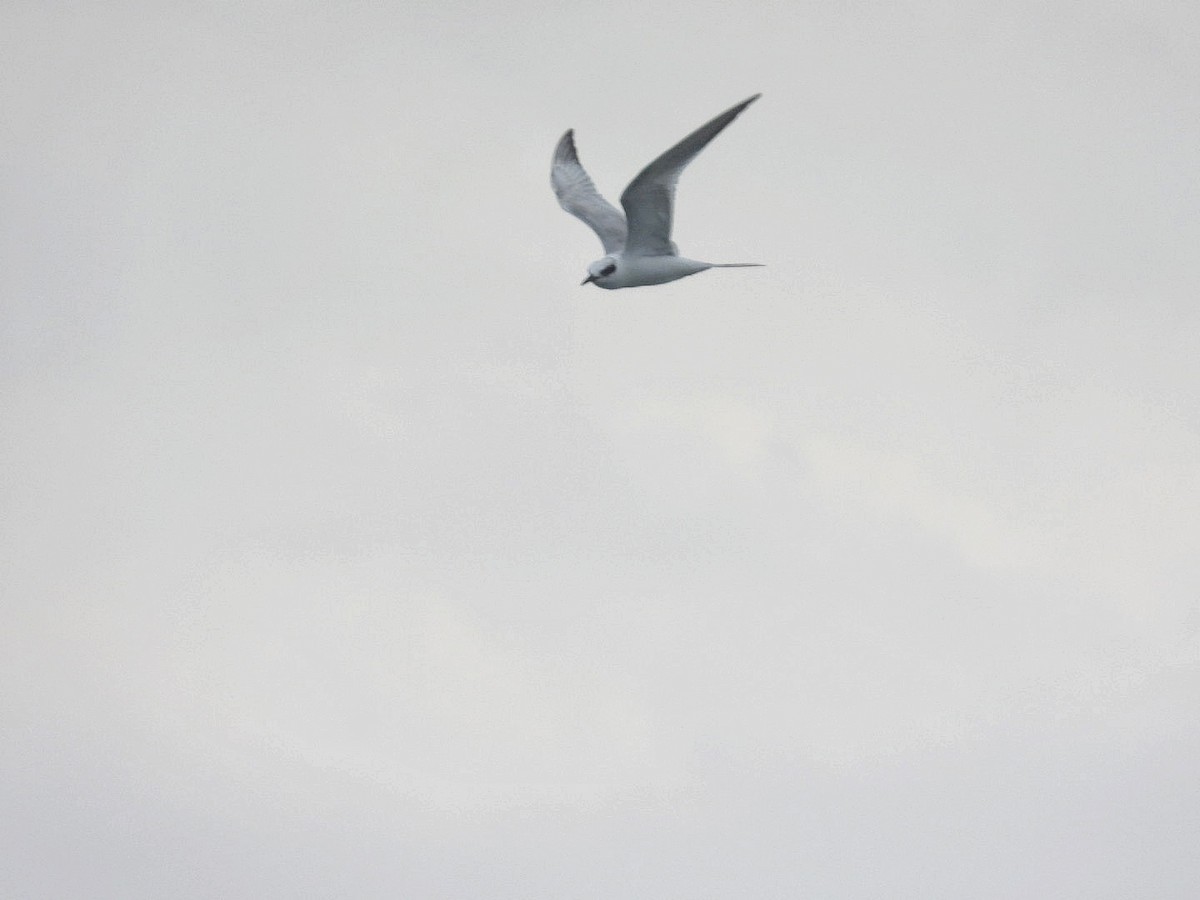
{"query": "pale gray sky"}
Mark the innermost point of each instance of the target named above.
(351, 549)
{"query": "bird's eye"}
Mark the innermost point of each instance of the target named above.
(608, 270)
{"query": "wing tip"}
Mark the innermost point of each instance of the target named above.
(564, 150)
(747, 101)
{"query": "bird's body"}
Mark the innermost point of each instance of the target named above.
(636, 271)
(638, 243)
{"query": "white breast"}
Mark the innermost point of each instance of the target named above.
(635, 271)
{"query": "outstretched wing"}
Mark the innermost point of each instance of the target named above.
(578, 196)
(650, 198)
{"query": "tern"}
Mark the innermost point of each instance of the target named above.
(637, 245)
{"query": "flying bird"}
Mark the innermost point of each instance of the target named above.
(637, 245)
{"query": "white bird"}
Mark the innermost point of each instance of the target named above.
(638, 244)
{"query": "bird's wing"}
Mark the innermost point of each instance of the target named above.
(650, 197)
(578, 196)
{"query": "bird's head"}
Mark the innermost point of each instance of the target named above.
(600, 270)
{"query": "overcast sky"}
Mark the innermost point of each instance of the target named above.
(350, 548)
